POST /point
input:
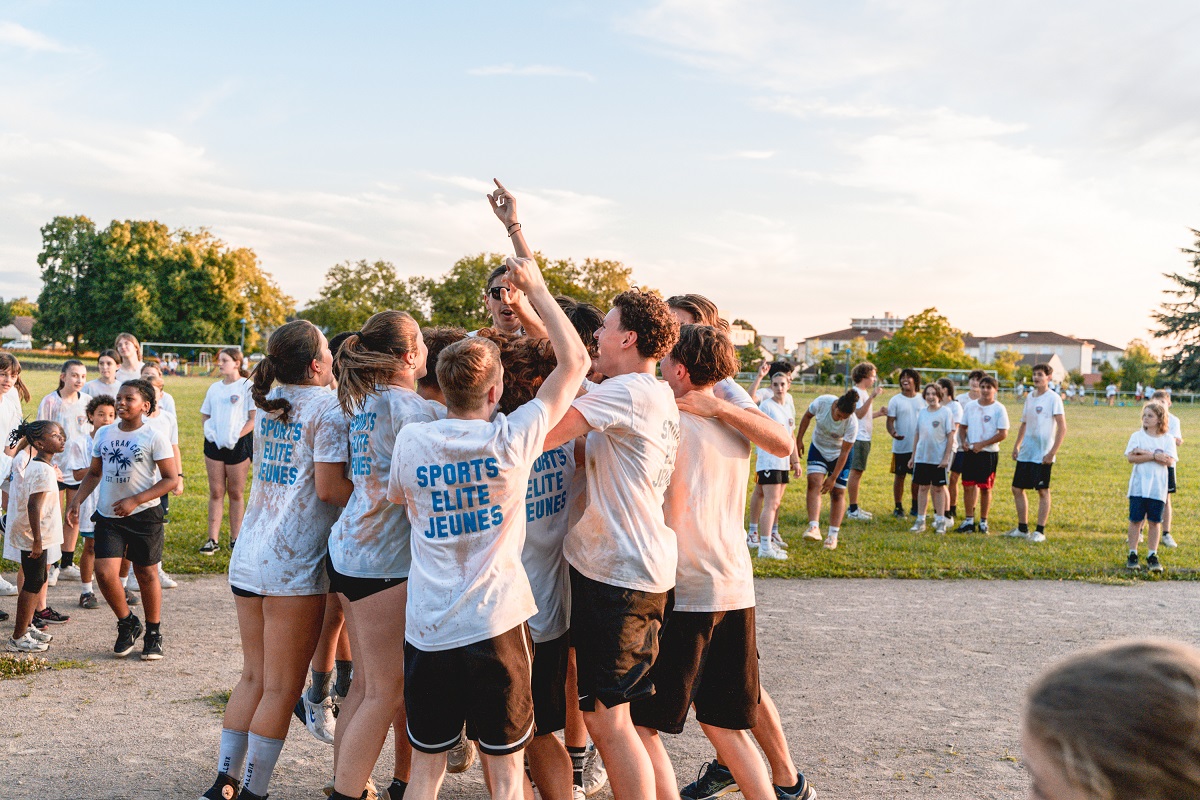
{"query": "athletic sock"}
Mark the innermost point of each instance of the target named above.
(577, 754)
(320, 686)
(953, 511)
(344, 671)
(85, 588)
(754, 529)
(395, 790)
(67, 560)
(833, 531)
(152, 627)
(920, 517)
(261, 756)
(1023, 527)
(983, 520)
(125, 580)
(793, 789)
(1152, 553)
(969, 521)
(853, 507)
(1166, 533)
(1041, 528)
(231, 759)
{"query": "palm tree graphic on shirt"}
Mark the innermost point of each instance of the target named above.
(120, 455)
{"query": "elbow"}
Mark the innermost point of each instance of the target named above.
(781, 448)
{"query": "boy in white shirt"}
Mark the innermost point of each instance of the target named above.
(866, 381)
(1039, 437)
(987, 425)
(960, 444)
(1175, 430)
(902, 413)
(932, 452)
(463, 480)
(834, 434)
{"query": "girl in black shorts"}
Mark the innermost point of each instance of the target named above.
(228, 446)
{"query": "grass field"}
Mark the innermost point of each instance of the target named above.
(1086, 534)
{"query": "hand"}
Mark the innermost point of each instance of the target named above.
(764, 367)
(878, 390)
(123, 508)
(796, 469)
(36, 550)
(178, 490)
(895, 436)
(699, 403)
(912, 462)
(523, 276)
(944, 464)
(977, 447)
(1048, 458)
(1015, 451)
(503, 204)
(827, 484)
(73, 514)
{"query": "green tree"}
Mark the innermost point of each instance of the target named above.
(6, 312)
(1179, 323)
(23, 307)
(1138, 365)
(1005, 364)
(925, 340)
(69, 247)
(1109, 374)
(353, 291)
(1075, 377)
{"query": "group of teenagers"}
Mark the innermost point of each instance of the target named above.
(56, 461)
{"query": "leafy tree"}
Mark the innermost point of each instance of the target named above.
(6, 314)
(23, 307)
(64, 305)
(1138, 365)
(924, 340)
(353, 291)
(1179, 321)
(1005, 364)
(1075, 377)
(1109, 374)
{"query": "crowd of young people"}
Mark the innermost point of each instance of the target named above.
(515, 533)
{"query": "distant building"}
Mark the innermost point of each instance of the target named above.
(889, 322)
(1102, 352)
(1076, 354)
(1059, 370)
(741, 336)
(20, 329)
(835, 342)
(775, 345)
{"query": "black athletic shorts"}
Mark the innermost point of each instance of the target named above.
(768, 477)
(1170, 480)
(239, 453)
(956, 466)
(929, 475)
(550, 684)
(1032, 475)
(67, 487)
(900, 464)
(484, 684)
(35, 571)
(979, 469)
(356, 589)
(615, 635)
(138, 537)
(709, 658)
(240, 592)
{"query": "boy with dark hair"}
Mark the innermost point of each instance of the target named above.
(956, 468)
(987, 426)
(463, 480)
(834, 434)
(866, 384)
(1039, 437)
(902, 411)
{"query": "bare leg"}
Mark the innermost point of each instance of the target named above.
(245, 697)
(331, 631)
(985, 502)
(922, 499)
(735, 749)
(1153, 535)
(852, 485)
(353, 700)
(87, 561)
(108, 578)
(630, 771)
(1044, 509)
(756, 504)
(969, 494)
(954, 489)
(70, 532)
(837, 507)
(812, 496)
(216, 496)
(575, 734)
(1135, 534)
(550, 766)
(665, 785)
(939, 500)
(428, 772)
(402, 750)
(506, 775)
(769, 734)
(772, 498)
(147, 578)
(898, 489)
(1022, 505)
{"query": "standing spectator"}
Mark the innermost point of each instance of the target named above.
(1175, 429)
(129, 350)
(933, 450)
(1110, 394)
(107, 383)
(227, 414)
(902, 413)
(1039, 437)
(1152, 451)
(866, 384)
(987, 426)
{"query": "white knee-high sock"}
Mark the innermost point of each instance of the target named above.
(232, 757)
(260, 763)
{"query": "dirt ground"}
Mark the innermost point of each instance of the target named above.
(887, 689)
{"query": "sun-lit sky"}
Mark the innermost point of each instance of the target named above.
(1020, 165)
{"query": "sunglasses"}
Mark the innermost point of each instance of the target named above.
(494, 292)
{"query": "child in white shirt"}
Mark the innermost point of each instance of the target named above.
(1152, 451)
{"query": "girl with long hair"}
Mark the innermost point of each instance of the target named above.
(67, 405)
(228, 446)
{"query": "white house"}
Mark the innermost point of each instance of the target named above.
(1076, 354)
(836, 341)
(21, 328)
(888, 322)
(740, 336)
(776, 345)
(1102, 352)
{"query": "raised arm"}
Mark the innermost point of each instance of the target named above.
(504, 205)
(763, 368)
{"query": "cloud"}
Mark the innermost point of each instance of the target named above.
(14, 35)
(754, 155)
(531, 70)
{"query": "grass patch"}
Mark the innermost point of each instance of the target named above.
(15, 665)
(218, 699)
(1086, 533)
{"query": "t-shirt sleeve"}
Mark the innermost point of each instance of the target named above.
(851, 429)
(762, 394)
(174, 429)
(77, 456)
(43, 408)
(893, 407)
(206, 406)
(395, 490)
(41, 480)
(160, 447)
(1002, 418)
(1059, 409)
(1133, 443)
(1171, 449)
(731, 391)
(527, 429)
(96, 442)
(331, 441)
(606, 405)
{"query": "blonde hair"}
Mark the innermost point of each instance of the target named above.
(128, 336)
(1122, 720)
(368, 357)
(466, 370)
(1161, 412)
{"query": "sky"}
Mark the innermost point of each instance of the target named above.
(1016, 165)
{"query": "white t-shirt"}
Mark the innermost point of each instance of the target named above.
(984, 422)
(1149, 479)
(904, 411)
(464, 484)
(547, 510)
(72, 416)
(731, 391)
(956, 409)
(129, 374)
(785, 415)
(38, 477)
(228, 406)
(79, 456)
(1173, 426)
(704, 506)
(828, 433)
(97, 387)
(866, 424)
(370, 538)
(10, 418)
(285, 535)
(129, 463)
(167, 403)
(933, 427)
(1038, 416)
(621, 538)
(1110, 390)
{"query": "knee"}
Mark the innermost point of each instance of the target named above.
(216, 492)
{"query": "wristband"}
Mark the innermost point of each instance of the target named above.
(516, 226)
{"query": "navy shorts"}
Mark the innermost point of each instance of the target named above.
(819, 465)
(1145, 508)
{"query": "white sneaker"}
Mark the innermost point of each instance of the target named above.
(70, 573)
(751, 540)
(777, 542)
(318, 718)
(595, 775)
(813, 532)
(39, 636)
(1015, 533)
(7, 589)
(766, 551)
(167, 582)
(577, 793)
(52, 577)
(1168, 541)
(461, 756)
(831, 541)
(917, 527)
(859, 514)
(940, 525)
(26, 644)
(1037, 536)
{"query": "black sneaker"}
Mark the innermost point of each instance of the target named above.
(131, 599)
(801, 791)
(128, 631)
(714, 780)
(966, 527)
(209, 547)
(51, 617)
(223, 788)
(1131, 563)
(898, 513)
(152, 646)
(37, 623)
(1153, 564)
(3, 616)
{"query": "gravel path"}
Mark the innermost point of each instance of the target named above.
(887, 689)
